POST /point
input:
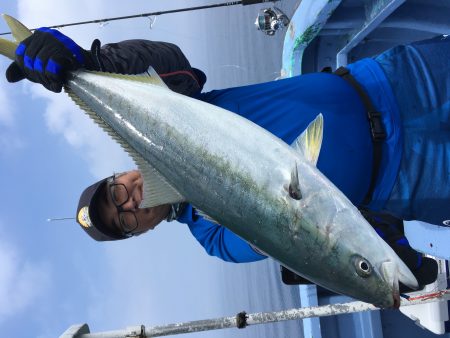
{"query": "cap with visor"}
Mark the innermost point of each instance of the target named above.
(88, 217)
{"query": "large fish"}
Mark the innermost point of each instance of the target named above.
(243, 177)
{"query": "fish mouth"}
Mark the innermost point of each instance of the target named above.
(391, 302)
(389, 272)
(395, 271)
(395, 292)
(396, 299)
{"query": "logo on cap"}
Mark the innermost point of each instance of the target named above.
(83, 217)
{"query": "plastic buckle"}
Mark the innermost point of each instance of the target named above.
(341, 71)
(376, 126)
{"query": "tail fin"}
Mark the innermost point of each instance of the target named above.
(18, 29)
(19, 32)
(8, 48)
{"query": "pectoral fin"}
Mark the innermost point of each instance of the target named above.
(308, 144)
(294, 185)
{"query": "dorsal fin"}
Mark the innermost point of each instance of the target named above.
(149, 76)
(309, 142)
(152, 72)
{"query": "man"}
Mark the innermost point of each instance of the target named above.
(385, 162)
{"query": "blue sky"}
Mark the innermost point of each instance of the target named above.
(51, 274)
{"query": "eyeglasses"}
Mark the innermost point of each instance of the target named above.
(119, 195)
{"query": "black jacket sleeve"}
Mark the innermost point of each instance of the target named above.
(135, 56)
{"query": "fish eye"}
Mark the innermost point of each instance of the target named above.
(363, 267)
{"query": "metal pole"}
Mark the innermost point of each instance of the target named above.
(382, 9)
(225, 4)
(241, 320)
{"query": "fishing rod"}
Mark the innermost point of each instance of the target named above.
(242, 319)
(101, 21)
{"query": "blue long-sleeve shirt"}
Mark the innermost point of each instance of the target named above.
(217, 240)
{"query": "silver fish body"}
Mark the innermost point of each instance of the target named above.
(239, 174)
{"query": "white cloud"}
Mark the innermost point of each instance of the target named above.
(22, 282)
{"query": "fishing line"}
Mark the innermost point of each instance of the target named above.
(106, 20)
(59, 219)
(233, 66)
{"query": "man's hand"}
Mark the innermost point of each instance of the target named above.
(46, 57)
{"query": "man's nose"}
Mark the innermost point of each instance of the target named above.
(130, 205)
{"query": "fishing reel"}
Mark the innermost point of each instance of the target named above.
(270, 20)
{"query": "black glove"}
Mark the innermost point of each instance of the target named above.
(46, 57)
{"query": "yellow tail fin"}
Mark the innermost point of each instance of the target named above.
(8, 48)
(18, 29)
(19, 33)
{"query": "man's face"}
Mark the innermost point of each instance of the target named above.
(113, 204)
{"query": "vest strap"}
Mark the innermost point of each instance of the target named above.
(376, 125)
